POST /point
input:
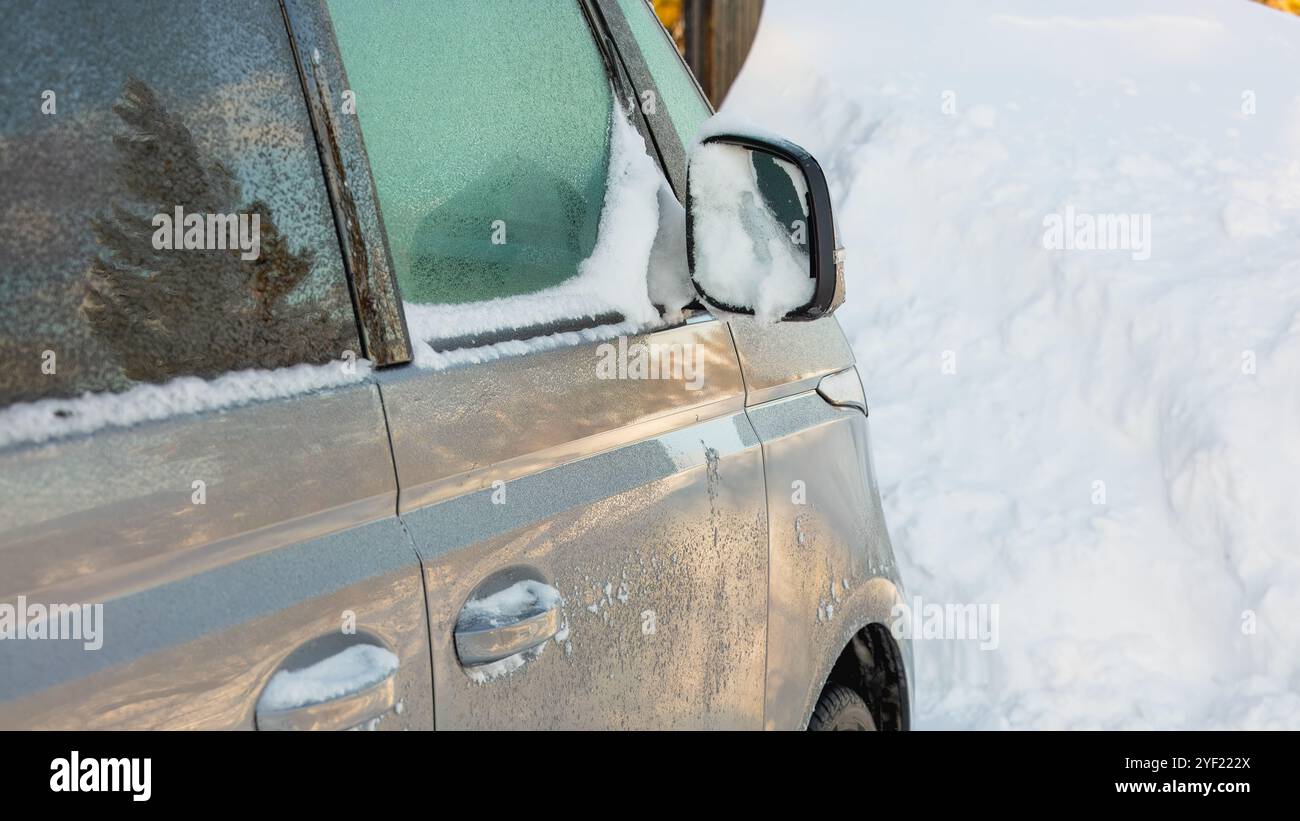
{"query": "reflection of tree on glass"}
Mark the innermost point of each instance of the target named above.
(201, 312)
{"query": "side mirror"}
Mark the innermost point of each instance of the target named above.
(760, 238)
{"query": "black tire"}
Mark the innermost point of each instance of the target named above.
(840, 708)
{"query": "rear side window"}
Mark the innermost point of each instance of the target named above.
(120, 114)
(487, 127)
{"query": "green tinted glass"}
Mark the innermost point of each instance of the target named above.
(681, 97)
(487, 128)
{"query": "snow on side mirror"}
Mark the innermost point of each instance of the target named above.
(760, 238)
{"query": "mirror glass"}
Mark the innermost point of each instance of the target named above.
(750, 230)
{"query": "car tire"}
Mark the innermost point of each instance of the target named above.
(840, 708)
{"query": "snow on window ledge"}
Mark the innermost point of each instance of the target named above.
(639, 260)
(47, 419)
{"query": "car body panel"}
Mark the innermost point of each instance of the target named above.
(780, 360)
(832, 566)
(784, 358)
(642, 502)
(203, 601)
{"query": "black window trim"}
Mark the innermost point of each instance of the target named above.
(372, 282)
(682, 60)
(629, 70)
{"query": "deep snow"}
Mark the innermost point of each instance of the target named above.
(949, 133)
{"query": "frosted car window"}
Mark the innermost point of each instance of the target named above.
(487, 128)
(114, 114)
(684, 104)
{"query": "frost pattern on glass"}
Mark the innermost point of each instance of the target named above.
(615, 279)
(157, 106)
(488, 137)
(685, 106)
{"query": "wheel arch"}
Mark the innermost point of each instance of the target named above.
(872, 664)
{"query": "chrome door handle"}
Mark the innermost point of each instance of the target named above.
(342, 690)
(340, 713)
(483, 643)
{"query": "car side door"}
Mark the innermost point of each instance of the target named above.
(529, 450)
(196, 487)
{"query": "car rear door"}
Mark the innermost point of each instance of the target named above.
(196, 486)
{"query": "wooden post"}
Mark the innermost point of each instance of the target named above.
(718, 35)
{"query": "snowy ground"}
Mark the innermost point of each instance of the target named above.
(950, 131)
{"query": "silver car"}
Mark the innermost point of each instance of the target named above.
(302, 430)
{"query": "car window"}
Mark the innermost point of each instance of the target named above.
(683, 101)
(163, 209)
(487, 127)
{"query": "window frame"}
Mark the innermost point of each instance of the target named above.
(608, 21)
(363, 241)
(660, 131)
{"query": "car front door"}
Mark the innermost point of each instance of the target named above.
(530, 446)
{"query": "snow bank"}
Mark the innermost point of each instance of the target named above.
(344, 673)
(1006, 379)
(46, 419)
(631, 268)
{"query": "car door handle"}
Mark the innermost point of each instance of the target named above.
(341, 713)
(486, 643)
(342, 691)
